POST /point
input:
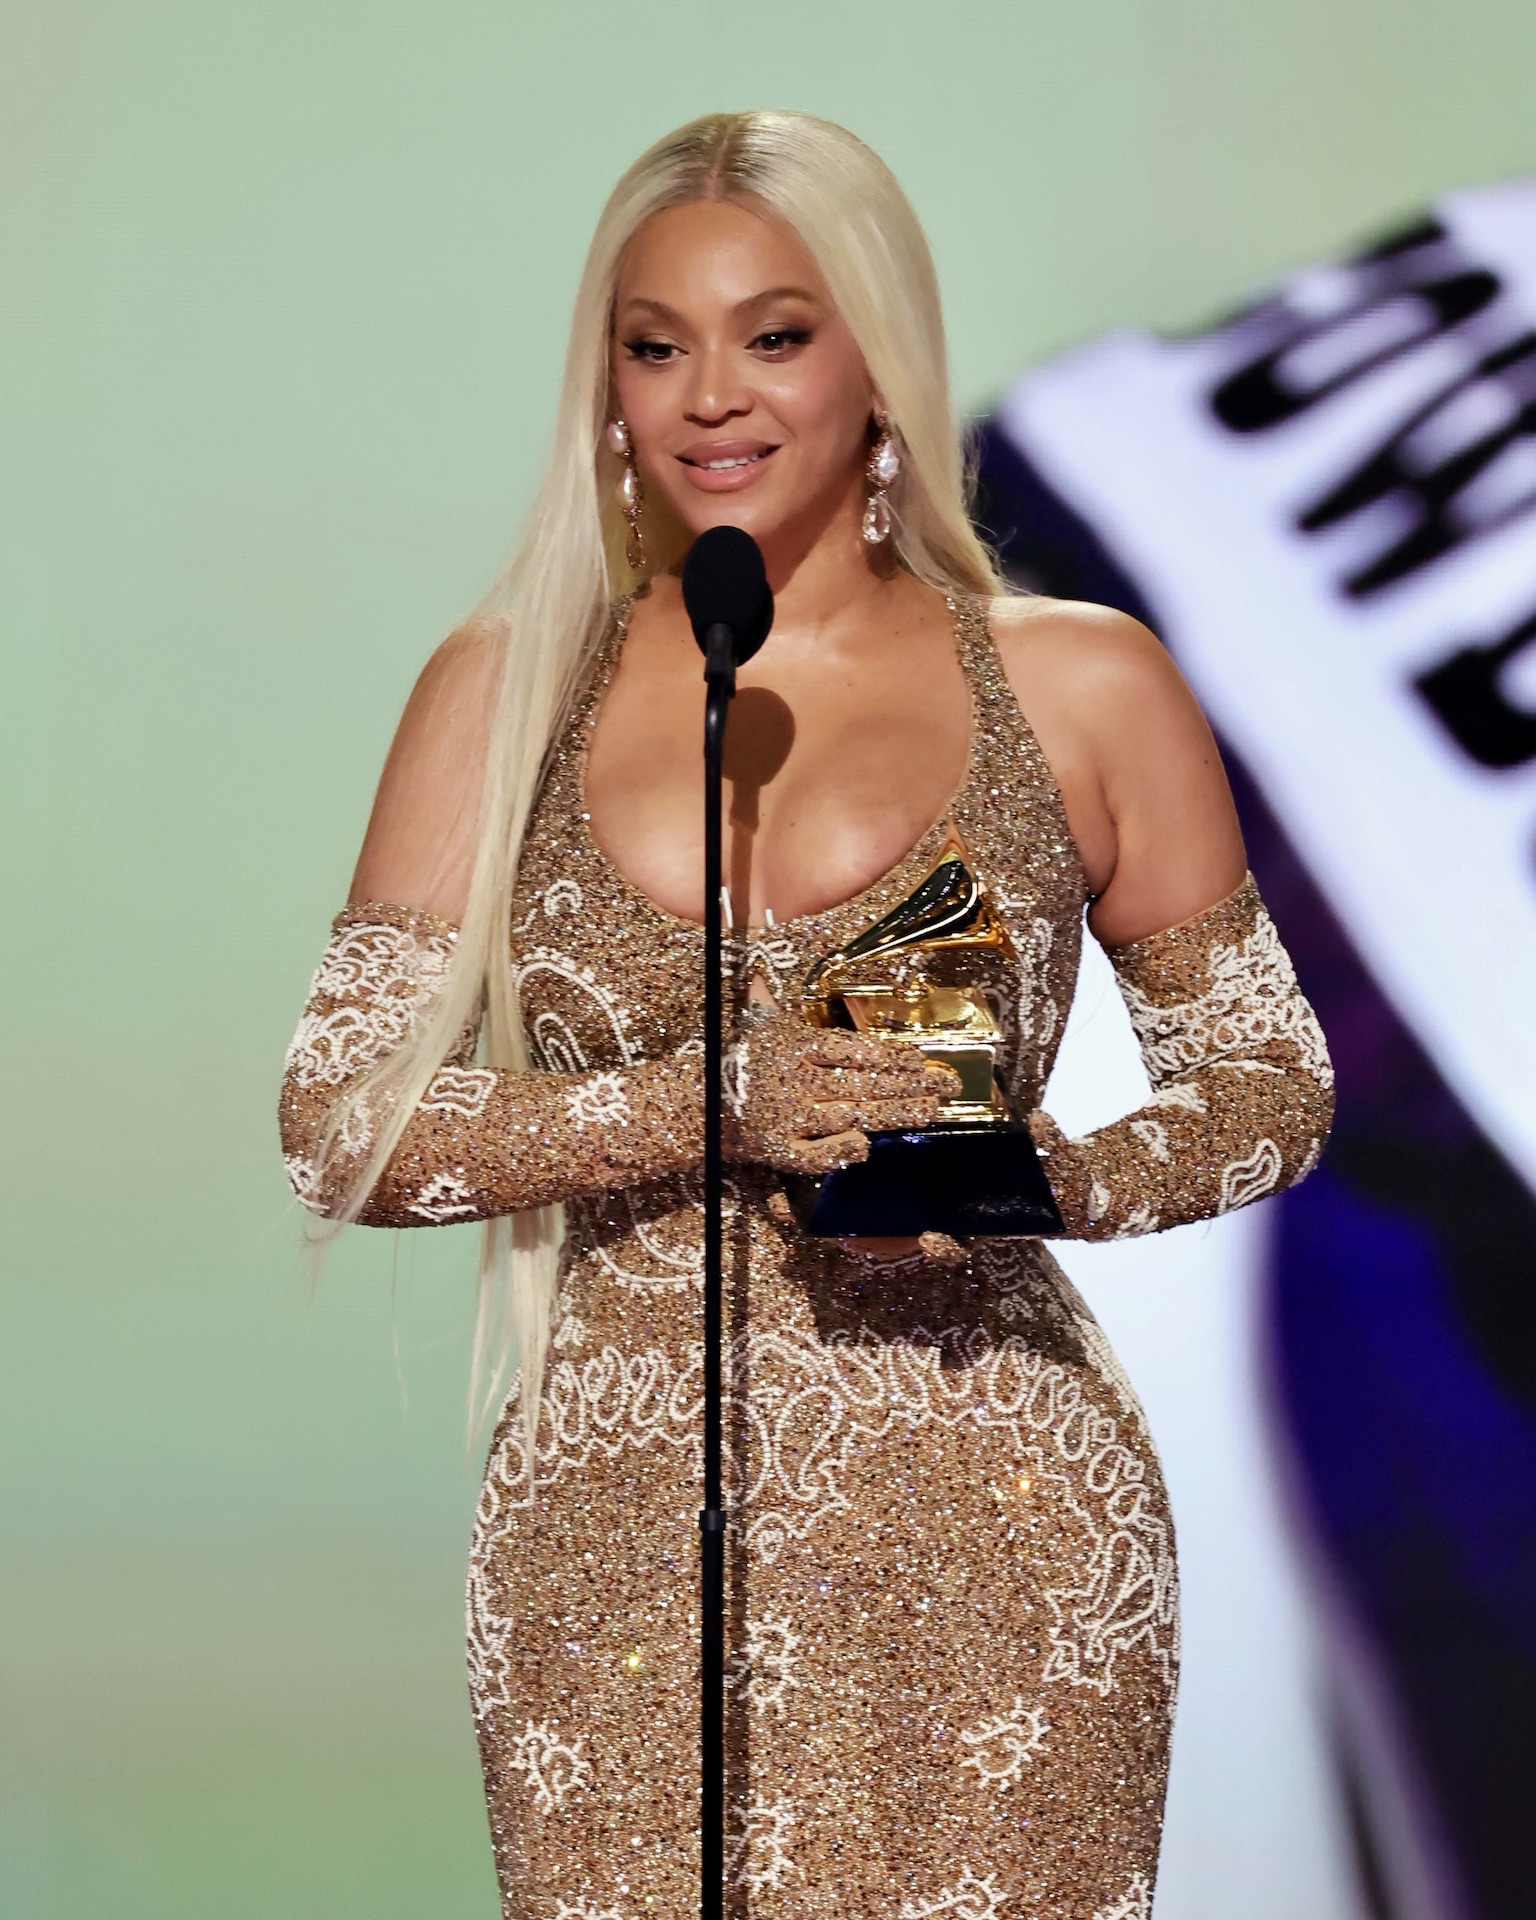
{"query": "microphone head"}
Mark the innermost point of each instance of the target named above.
(726, 584)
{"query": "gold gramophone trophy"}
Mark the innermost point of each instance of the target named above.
(917, 978)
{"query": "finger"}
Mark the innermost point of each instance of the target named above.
(898, 1116)
(942, 1250)
(901, 1070)
(1044, 1131)
(862, 1083)
(831, 1047)
(825, 1156)
(824, 1119)
(779, 1208)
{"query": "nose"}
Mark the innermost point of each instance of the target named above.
(716, 392)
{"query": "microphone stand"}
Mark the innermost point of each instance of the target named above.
(720, 678)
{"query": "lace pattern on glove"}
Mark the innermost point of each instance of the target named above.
(1242, 1082)
(481, 1141)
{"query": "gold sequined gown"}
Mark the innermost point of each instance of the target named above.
(952, 1624)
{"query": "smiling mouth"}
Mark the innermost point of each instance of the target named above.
(728, 463)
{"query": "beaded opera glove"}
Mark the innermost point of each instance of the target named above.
(803, 1098)
(481, 1141)
(1242, 1084)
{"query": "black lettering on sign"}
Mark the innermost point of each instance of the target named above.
(1465, 694)
(1305, 346)
(1458, 468)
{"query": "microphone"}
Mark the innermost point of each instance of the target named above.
(729, 601)
(726, 592)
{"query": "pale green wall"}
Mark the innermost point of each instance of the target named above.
(284, 291)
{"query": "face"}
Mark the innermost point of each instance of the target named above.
(747, 401)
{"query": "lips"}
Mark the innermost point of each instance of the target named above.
(720, 466)
(725, 456)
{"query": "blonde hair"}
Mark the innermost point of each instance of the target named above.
(552, 602)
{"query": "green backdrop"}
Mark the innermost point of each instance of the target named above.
(285, 287)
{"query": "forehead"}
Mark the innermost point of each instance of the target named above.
(715, 253)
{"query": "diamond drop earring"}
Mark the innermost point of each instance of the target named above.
(631, 494)
(884, 465)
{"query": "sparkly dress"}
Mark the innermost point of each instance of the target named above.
(952, 1629)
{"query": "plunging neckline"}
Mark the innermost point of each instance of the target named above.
(935, 832)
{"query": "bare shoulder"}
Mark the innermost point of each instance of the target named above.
(1139, 770)
(1077, 644)
(420, 845)
(460, 673)
(1097, 674)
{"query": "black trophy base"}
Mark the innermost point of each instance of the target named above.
(963, 1180)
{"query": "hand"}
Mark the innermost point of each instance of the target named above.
(1068, 1178)
(804, 1099)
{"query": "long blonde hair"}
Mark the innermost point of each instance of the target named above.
(552, 602)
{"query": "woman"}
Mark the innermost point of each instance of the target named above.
(952, 1617)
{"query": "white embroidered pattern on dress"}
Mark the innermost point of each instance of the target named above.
(972, 1897)
(734, 1074)
(1177, 1094)
(394, 972)
(583, 1909)
(766, 1669)
(1134, 1904)
(443, 1198)
(1252, 1002)
(554, 1767)
(762, 951)
(1250, 1178)
(301, 1177)
(461, 1090)
(1139, 1220)
(562, 896)
(555, 1045)
(601, 1101)
(1031, 1016)
(1003, 1745)
(759, 1858)
(812, 1406)
(673, 1244)
(1153, 1135)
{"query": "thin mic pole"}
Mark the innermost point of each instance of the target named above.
(720, 675)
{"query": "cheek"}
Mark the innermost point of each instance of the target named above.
(822, 404)
(631, 399)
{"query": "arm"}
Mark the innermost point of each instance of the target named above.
(480, 1142)
(1242, 1086)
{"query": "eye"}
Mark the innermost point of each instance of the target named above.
(646, 347)
(778, 342)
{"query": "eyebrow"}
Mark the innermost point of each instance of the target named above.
(762, 299)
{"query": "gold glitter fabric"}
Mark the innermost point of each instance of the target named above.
(1242, 1087)
(480, 1143)
(952, 1621)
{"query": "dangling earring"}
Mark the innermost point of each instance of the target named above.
(631, 496)
(884, 465)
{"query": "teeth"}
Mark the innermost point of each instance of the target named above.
(726, 466)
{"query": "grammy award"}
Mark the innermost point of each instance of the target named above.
(917, 977)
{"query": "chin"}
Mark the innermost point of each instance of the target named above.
(762, 519)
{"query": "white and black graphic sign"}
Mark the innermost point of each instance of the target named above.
(1331, 501)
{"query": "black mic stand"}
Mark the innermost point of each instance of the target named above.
(720, 678)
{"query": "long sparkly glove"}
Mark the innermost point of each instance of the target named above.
(481, 1142)
(1242, 1085)
(803, 1099)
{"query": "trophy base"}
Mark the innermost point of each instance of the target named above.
(966, 1181)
